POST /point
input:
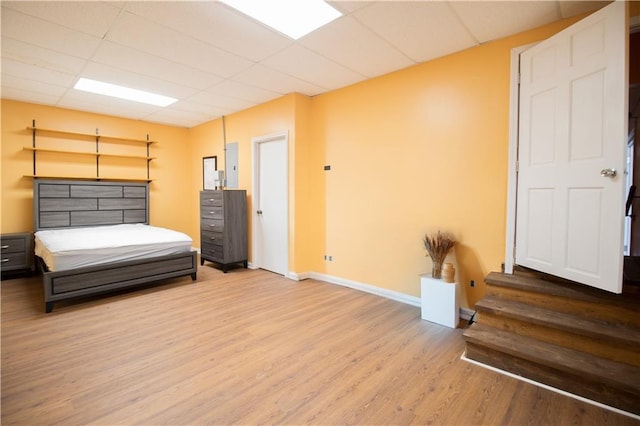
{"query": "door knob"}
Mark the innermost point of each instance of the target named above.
(608, 173)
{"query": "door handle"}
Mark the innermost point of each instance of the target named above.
(608, 173)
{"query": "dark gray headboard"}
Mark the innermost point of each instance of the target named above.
(73, 204)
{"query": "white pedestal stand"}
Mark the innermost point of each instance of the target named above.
(440, 301)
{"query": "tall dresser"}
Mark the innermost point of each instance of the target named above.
(223, 227)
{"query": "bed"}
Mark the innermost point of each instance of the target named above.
(62, 206)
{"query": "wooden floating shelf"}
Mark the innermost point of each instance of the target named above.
(95, 154)
(90, 135)
(88, 178)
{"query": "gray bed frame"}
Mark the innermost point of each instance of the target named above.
(76, 204)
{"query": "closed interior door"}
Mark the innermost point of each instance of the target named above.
(572, 141)
(271, 241)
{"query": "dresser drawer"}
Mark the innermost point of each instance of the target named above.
(212, 212)
(212, 252)
(216, 225)
(13, 245)
(13, 261)
(211, 198)
(211, 237)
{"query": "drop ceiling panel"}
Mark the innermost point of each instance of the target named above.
(308, 66)
(216, 24)
(164, 42)
(193, 107)
(40, 57)
(422, 30)
(223, 103)
(179, 118)
(234, 89)
(572, 8)
(132, 60)
(218, 61)
(349, 43)
(198, 109)
(92, 18)
(28, 96)
(112, 75)
(77, 99)
(270, 79)
(36, 73)
(497, 19)
(347, 7)
(45, 34)
(20, 83)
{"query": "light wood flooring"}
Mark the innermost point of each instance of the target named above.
(251, 347)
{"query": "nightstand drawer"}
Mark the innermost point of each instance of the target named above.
(13, 245)
(14, 261)
(16, 251)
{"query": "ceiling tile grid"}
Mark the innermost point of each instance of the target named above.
(217, 61)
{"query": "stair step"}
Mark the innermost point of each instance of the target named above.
(558, 357)
(566, 296)
(568, 322)
(555, 286)
(596, 378)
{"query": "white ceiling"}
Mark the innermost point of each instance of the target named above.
(217, 61)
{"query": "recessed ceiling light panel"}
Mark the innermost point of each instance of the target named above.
(113, 90)
(294, 18)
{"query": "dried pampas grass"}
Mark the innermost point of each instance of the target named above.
(438, 246)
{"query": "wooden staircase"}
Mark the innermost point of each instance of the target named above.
(569, 336)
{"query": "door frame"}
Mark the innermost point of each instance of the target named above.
(512, 173)
(255, 184)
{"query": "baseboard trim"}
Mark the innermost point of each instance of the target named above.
(367, 288)
(465, 313)
(551, 388)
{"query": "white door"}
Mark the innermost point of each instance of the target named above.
(572, 135)
(270, 204)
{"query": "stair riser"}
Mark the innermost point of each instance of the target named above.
(621, 399)
(602, 347)
(604, 312)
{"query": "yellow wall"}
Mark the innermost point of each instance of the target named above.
(167, 191)
(410, 152)
(271, 117)
(416, 151)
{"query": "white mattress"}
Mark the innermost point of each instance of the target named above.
(78, 247)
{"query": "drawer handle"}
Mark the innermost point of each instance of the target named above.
(211, 200)
(5, 260)
(213, 238)
(5, 247)
(213, 212)
(212, 225)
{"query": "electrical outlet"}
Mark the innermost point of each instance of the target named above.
(329, 258)
(472, 283)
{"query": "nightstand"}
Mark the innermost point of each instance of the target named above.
(16, 254)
